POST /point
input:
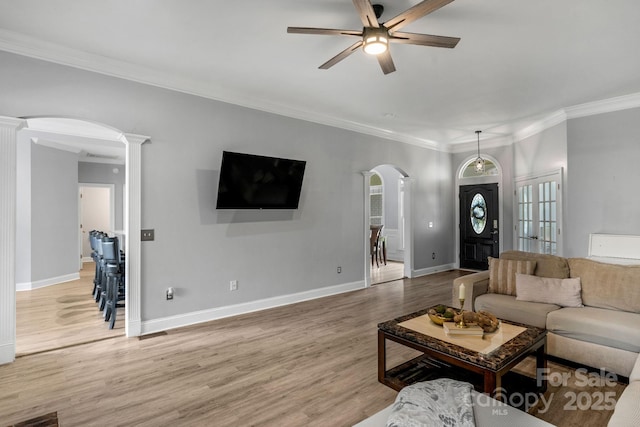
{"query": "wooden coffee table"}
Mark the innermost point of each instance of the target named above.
(443, 356)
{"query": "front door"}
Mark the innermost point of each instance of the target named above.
(479, 238)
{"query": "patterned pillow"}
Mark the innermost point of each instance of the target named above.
(502, 274)
(441, 402)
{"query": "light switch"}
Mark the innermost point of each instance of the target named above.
(147, 235)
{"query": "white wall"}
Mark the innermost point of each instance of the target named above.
(197, 249)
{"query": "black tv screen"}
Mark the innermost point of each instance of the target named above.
(249, 181)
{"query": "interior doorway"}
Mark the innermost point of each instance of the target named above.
(20, 131)
(387, 219)
(96, 212)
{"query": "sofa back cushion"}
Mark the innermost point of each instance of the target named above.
(546, 265)
(502, 274)
(611, 286)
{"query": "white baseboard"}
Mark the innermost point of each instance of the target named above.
(29, 286)
(7, 353)
(430, 270)
(163, 324)
(87, 259)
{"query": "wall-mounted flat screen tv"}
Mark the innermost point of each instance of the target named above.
(249, 181)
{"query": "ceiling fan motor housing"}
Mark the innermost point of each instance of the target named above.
(375, 40)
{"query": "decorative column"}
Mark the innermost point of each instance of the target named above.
(408, 228)
(9, 127)
(132, 226)
(367, 230)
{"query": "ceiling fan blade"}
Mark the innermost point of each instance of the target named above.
(339, 57)
(416, 12)
(323, 31)
(386, 63)
(424, 39)
(366, 12)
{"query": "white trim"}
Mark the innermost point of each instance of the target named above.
(29, 286)
(132, 228)
(610, 105)
(550, 121)
(366, 229)
(9, 128)
(431, 270)
(408, 226)
(195, 317)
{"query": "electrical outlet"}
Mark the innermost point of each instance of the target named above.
(233, 285)
(170, 292)
(433, 255)
(339, 269)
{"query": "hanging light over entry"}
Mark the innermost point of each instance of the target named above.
(479, 161)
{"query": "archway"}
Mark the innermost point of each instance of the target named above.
(404, 183)
(13, 130)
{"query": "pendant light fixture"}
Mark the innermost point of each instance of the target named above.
(479, 161)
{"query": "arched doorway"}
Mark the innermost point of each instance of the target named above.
(14, 131)
(387, 202)
(471, 183)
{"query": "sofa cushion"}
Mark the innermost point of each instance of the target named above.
(508, 308)
(546, 265)
(611, 286)
(611, 328)
(627, 411)
(562, 292)
(502, 274)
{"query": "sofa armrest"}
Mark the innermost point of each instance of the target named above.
(475, 284)
(635, 373)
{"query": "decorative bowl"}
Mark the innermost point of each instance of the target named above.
(439, 319)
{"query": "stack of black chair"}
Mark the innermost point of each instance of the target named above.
(109, 281)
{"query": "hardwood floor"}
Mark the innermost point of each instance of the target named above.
(393, 270)
(308, 364)
(61, 315)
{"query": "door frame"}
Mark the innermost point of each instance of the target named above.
(486, 179)
(10, 128)
(112, 210)
(407, 232)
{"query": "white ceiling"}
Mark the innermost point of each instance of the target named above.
(517, 62)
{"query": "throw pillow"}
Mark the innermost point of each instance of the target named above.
(562, 292)
(502, 274)
(441, 402)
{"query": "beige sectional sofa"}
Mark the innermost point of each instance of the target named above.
(627, 412)
(603, 333)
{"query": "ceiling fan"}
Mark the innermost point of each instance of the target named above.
(375, 36)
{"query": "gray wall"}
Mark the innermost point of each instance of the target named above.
(54, 213)
(100, 173)
(199, 250)
(604, 172)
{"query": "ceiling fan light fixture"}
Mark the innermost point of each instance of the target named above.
(375, 41)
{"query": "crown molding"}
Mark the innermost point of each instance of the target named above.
(549, 121)
(21, 44)
(35, 48)
(609, 105)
